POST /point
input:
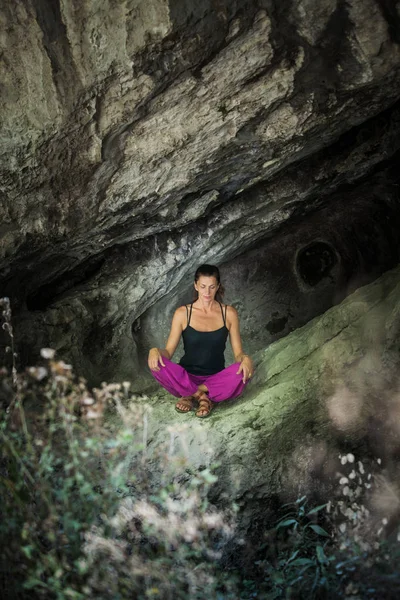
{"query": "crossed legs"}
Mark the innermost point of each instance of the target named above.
(186, 404)
(221, 386)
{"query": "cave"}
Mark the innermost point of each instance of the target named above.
(245, 140)
(315, 261)
(257, 135)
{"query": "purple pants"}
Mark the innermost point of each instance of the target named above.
(221, 386)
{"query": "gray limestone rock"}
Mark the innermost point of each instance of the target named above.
(142, 138)
(330, 385)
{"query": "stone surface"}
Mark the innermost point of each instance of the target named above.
(142, 138)
(266, 284)
(330, 386)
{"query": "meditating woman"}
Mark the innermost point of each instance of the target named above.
(204, 325)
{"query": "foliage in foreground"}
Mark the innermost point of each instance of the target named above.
(355, 554)
(86, 512)
(83, 513)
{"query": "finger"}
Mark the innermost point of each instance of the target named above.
(161, 361)
(240, 369)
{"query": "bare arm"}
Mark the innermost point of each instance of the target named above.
(156, 354)
(234, 333)
(246, 364)
(177, 326)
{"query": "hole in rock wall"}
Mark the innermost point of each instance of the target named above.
(315, 262)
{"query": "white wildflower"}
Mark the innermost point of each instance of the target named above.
(384, 521)
(350, 514)
(350, 458)
(352, 474)
(190, 532)
(48, 353)
(346, 490)
(63, 365)
(343, 480)
(343, 460)
(361, 467)
(342, 527)
(379, 461)
(87, 401)
(212, 520)
(92, 414)
(38, 373)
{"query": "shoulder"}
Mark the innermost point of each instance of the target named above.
(182, 309)
(232, 316)
(231, 312)
(180, 312)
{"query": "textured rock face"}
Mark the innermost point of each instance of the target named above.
(286, 280)
(324, 388)
(142, 138)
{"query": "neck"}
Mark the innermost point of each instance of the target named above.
(206, 306)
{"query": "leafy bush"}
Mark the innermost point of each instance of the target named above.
(336, 550)
(84, 514)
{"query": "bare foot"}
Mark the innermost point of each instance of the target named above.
(185, 404)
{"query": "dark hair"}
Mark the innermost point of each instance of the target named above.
(210, 271)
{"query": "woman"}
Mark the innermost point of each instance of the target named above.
(204, 326)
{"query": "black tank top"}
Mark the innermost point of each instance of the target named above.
(204, 350)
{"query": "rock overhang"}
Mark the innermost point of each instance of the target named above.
(154, 140)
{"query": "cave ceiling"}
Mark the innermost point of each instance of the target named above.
(140, 138)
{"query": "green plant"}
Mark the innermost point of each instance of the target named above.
(336, 550)
(85, 511)
(296, 561)
(88, 512)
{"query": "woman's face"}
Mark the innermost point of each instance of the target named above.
(207, 287)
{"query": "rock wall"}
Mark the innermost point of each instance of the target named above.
(331, 386)
(298, 273)
(141, 138)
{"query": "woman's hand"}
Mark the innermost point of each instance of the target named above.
(155, 358)
(246, 367)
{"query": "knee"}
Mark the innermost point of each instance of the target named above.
(166, 367)
(233, 369)
(237, 367)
